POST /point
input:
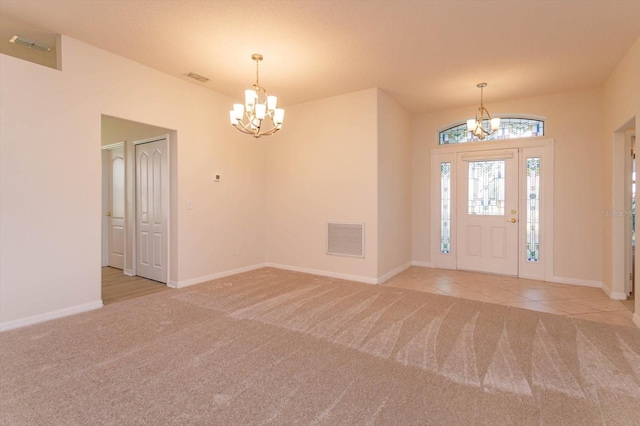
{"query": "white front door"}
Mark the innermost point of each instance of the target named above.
(152, 209)
(487, 211)
(116, 208)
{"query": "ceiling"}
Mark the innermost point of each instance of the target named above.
(428, 55)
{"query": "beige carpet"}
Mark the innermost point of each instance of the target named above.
(277, 347)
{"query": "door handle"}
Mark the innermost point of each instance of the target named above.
(108, 213)
(512, 220)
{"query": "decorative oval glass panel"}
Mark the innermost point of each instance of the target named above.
(510, 128)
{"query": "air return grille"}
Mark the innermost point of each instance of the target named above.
(197, 77)
(345, 239)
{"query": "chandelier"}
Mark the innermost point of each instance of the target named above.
(251, 118)
(477, 126)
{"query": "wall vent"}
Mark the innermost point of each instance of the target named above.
(345, 239)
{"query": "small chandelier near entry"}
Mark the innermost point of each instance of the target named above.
(476, 126)
(256, 109)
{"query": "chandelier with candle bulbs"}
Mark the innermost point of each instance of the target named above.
(476, 127)
(259, 115)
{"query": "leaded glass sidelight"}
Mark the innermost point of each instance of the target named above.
(445, 208)
(486, 187)
(533, 209)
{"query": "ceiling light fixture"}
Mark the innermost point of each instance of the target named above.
(477, 126)
(29, 43)
(256, 109)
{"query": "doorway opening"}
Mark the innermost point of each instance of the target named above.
(136, 199)
(630, 213)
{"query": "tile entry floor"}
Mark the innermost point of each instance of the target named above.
(588, 303)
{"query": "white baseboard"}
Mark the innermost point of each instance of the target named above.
(574, 281)
(615, 295)
(422, 264)
(636, 319)
(204, 279)
(10, 325)
(338, 275)
(391, 274)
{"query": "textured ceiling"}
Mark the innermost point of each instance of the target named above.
(428, 55)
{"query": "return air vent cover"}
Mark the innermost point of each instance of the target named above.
(345, 239)
(197, 77)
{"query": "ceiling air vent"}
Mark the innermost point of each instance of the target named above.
(198, 77)
(345, 239)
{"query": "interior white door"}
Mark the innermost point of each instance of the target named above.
(487, 211)
(152, 209)
(115, 214)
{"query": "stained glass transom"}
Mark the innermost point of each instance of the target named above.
(533, 209)
(486, 187)
(510, 128)
(445, 208)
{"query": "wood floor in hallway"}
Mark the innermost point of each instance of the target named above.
(116, 286)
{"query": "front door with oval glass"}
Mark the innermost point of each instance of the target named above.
(487, 206)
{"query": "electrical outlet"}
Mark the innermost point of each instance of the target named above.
(189, 205)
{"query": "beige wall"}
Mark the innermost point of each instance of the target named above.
(394, 187)
(574, 121)
(50, 177)
(344, 158)
(622, 112)
(322, 167)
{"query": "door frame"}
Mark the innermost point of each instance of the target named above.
(132, 202)
(620, 250)
(106, 175)
(529, 147)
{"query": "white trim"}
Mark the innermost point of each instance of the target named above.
(636, 319)
(614, 295)
(112, 146)
(487, 155)
(357, 278)
(421, 264)
(577, 281)
(393, 273)
(10, 325)
(204, 279)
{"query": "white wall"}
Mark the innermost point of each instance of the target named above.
(322, 167)
(50, 178)
(394, 187)
(574, 120)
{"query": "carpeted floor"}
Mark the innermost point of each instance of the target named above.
(279, 347)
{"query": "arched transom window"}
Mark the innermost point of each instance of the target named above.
(510, 128)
